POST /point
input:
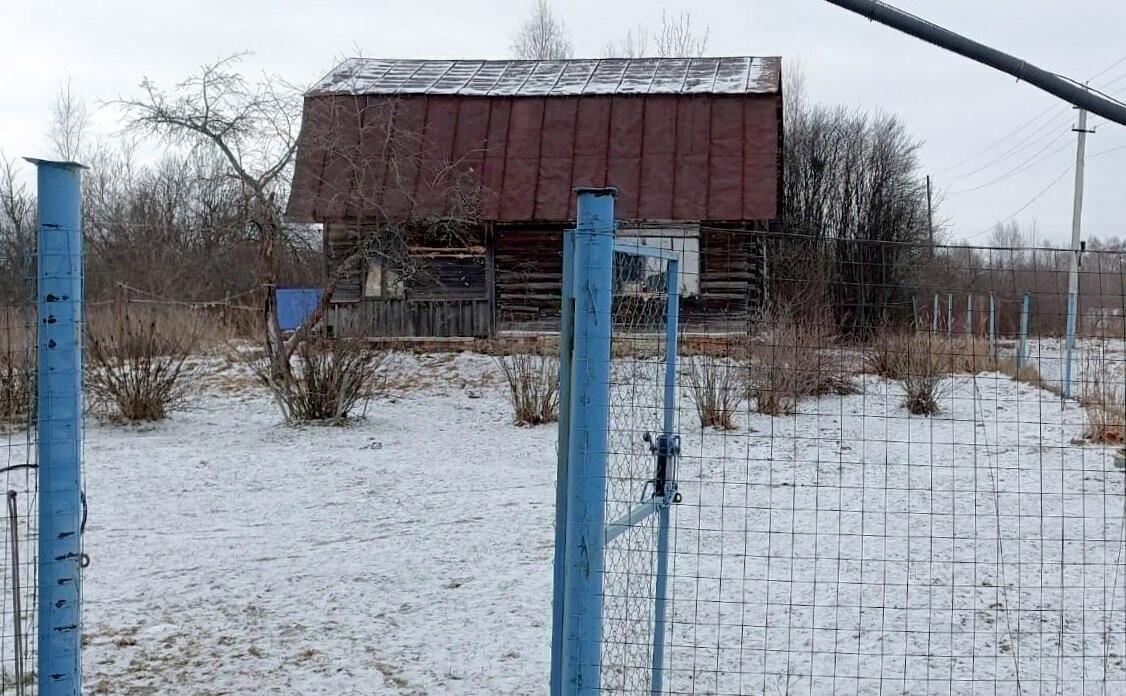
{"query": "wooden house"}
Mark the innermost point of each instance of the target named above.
(444, 186)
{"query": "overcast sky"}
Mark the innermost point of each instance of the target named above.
(956, 107)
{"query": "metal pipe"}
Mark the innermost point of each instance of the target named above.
(661, 591)
(59, 419)
(1051, 83)
(992, 326)
(558, 607)
(17, 608)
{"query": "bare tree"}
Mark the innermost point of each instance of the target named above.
(542, 36)
(633, 44)
(677, 37)
(17, 236)
(254, 126)
(378, 168)
(69, 123)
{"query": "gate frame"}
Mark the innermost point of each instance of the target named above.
(581, 532)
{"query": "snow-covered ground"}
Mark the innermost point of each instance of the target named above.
(849, 549)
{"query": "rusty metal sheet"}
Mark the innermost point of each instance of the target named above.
(690, 157)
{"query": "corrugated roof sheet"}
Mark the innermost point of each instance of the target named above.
(531, 78)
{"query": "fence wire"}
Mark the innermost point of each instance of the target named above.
(18, 559)
(885, 489)
(638, 346)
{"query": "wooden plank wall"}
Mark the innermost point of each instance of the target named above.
(380, 318)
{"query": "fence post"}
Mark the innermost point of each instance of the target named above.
(1022, 349)
(59, 419)
(970, 316)
(915, 312)
(566, 347)
(934, 316)
(1072, 320)
(992, 326)
(593, 262)
(950, 315)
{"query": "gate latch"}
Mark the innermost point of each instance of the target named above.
(666, 448)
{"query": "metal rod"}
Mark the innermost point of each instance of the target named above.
(934, 316)
(567, 318)
(1068, 90)
(590, 413)
(661, 591)
(59, 421)
(631, 519)
(17, 609)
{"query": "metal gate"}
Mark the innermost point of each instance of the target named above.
(617, 458)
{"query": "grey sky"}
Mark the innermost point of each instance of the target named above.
(956, 107)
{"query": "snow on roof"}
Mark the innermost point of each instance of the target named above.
(532, 78)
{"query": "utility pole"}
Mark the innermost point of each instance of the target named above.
(930, 215)
(1076, 250)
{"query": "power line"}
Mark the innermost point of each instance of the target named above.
(1024, 166)
(1059, 109)
(1027, 205)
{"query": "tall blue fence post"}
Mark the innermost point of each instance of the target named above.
(59, 420)
(661, 591)
(934, 316)
(566, 347)
(590, 412)
(1025, 310)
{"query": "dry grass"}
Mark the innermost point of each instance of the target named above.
(716, 387)
(1103, 398)
(1028, 374)
(137, 364)
(533, 387)
(331, 380)
(791, 360)
(923, 363)
(17, 370)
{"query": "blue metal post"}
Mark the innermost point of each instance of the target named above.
(567, 316)
(1072, 311)
(590, 412)
(672, 325)
(915, 312)
(934, 316)
(60, 427)
(1025, 310)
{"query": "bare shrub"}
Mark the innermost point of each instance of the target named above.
(788, 361)
(922, 362)
(331, 378)
(17, 373)
(1103, 398)
(533, 387)
(138, 367)
(716, 387)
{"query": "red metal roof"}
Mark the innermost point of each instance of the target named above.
(682, 156)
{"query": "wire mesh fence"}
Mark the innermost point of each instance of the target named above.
(884, 487)
(18, 560)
